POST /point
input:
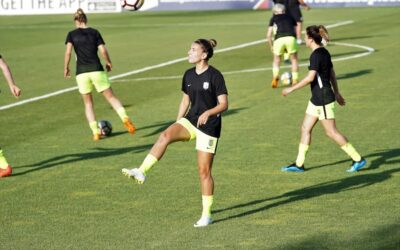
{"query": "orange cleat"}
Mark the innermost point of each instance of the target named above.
(275, 82)
(5, 172)
(129, 126)
(96, 137)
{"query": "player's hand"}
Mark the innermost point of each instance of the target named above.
(67, 73)
(203, 119)
(287, 91)
(15, 91)
(108, 67)
(307, 7)
(340, 99)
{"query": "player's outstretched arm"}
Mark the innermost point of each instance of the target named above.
(306, 80)
(15, 90)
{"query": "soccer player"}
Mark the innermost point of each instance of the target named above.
(205, 97)
(90, 73)
(283, 42)
(325, 92)
(5, 168)
(293, 9)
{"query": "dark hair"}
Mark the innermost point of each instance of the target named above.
(318, 33)
(207, 46)
(80, 16)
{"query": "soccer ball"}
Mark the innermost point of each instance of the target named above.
(286, 78)
(132, 4)
(105, 127)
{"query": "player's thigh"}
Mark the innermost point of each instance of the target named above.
(309, 122)
(291, 44)
(100, 81)
(176, 132)
(204, 161)
(279, 46)
(84, 82)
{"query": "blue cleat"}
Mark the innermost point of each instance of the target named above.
(357, 165)
(293, 168)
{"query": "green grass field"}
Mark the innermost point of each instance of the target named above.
(67, 192)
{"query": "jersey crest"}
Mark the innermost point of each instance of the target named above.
(206, 85)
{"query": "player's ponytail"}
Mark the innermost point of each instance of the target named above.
(318, 33)
(207, 46)
(80, 16)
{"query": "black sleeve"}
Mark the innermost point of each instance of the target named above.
(314, 62)
(219, 83)
(271, 22)
(99, 39)
(184, 88)
(69, 38)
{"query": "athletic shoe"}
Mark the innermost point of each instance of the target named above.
(275, 82)
(357, 165)
(129, 126)
(293, 168)
(5, 172)
(203, 222)
(96, 137)
(134, 173)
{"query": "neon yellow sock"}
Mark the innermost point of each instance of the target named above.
(275, 72)
(295, 76)
(351, 151)
(122, 113)
(148, 163)
(207, 203)
(301, 156)
(93, 126)
(3, 161)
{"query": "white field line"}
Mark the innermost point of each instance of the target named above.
(369, 50)
(133, 72)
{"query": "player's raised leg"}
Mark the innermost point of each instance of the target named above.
(175, 132)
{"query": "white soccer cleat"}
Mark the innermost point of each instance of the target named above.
(203, 222)
(134, 173)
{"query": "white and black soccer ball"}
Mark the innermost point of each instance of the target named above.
(286, 79)
(105, 127)
(132, 5)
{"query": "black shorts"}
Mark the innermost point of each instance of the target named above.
(296, 14)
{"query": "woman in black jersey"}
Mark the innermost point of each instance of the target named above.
(284, 41)
(90, 73)
(5, 168)
(325, 92)
(199, 117)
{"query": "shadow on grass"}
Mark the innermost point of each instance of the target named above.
(332, 187)
(350, 38)
(70, 158)
(383, 157)
(160, 127)
(354, 74)
(386, 237)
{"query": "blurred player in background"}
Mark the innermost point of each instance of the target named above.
(90, 73)
(5, 168)
(284, 41)
(293, 9)
(205, 97)
(325, 92)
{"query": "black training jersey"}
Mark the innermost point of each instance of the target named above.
(85, 42)
(285, 25)
(321, 89)
(203, 91)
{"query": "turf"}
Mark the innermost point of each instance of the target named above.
(67, 192)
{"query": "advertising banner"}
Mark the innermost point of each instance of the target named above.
(204, 4)
(32, 7)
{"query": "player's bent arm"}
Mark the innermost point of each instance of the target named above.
(221, 107)
(106, 56)
(269, 36)
(183, 106)
(67, 59)
(9, 78)
(334, 81)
